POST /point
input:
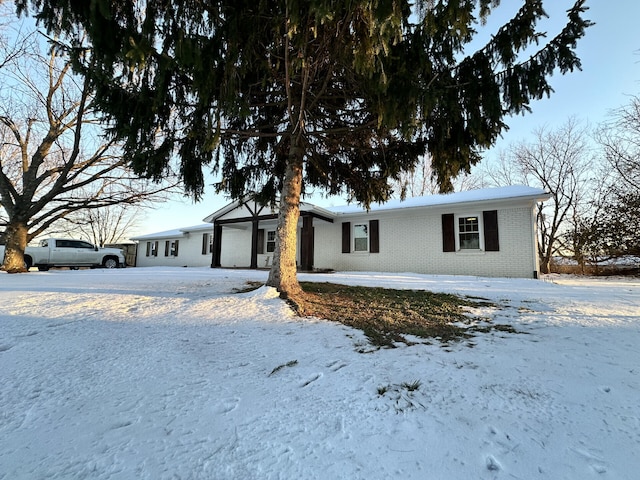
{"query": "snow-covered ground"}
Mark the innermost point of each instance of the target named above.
(165, 373)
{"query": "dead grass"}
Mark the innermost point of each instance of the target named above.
(387, 315)
(249, 287)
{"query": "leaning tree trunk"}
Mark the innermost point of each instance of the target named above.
(15, 243)
(283, 270)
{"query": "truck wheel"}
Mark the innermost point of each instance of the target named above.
(43, 269)
(27, 262)
(110, 262)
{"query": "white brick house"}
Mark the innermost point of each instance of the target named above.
(488, 232)
(184, 247)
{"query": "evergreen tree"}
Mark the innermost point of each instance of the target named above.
(614, 229)
(279, 96)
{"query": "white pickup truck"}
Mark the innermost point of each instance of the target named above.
(60, 252)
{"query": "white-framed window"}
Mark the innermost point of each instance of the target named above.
(271, 241)
(469, 233)
(361, 237)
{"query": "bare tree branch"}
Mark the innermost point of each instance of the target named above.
(561, 161)
(55, 162)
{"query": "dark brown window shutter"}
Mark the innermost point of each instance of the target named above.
(205, 243)
(448, 233)
(260, 241)
(166, 248)
(175, 253)
(374, 236)
(346, 237)
(490, 222)
(148, 248)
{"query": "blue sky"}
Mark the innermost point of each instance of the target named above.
(610, 54)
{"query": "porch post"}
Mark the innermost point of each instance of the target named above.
(217, 245)
(306, 244)
(254, 243)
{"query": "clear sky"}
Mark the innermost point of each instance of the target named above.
(610, 54)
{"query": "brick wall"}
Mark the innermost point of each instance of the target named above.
(412, 242)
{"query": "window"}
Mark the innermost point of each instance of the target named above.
(366, 237)
(82, 244)
(361, 237)
(271, 241)
(171, 248)
(207, 243)
(469, 233)
(154, 249)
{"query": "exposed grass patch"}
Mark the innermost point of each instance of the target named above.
(411, 386)
(387, 315)
(284, 365)
(403, 397)
(250, 286)
(383, 389)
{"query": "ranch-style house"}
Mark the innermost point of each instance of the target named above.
(487, 232)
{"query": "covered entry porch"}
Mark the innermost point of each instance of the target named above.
(244, 235)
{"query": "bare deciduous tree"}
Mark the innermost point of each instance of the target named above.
(100, 226)
(620, 138)
(54, 159)
(560, 161)
(421, 181)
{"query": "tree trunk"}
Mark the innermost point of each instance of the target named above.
(283, 270)
(16, 242)
(547, 255)
(544, 265)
